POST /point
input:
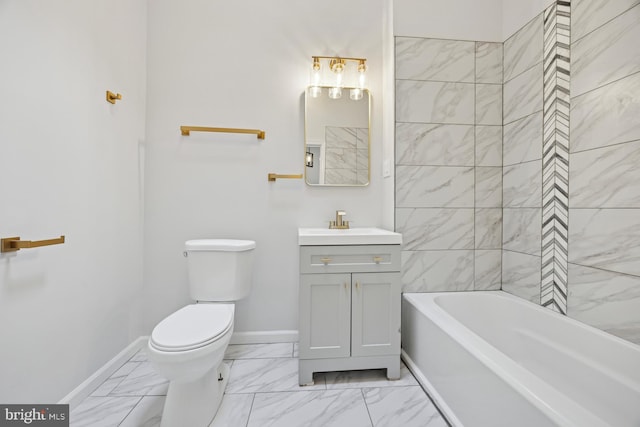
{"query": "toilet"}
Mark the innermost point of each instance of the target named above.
(187, 347)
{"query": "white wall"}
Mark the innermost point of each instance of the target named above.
(446, 19)
(245, 64)
(516, 13)
(69, 163)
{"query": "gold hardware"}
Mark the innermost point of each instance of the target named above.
(12, 244)
(274, 176)
(345, 285)
(186, 130)
(357, 285)
(325, 261)
(339, 223)
(377, 259)
(112, 97)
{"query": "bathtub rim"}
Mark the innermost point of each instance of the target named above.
(564, 412)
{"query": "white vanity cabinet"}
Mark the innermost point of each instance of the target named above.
(349, 312)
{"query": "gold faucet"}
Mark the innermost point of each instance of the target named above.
(339, 223)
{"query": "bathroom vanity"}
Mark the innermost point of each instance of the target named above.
(350, 292)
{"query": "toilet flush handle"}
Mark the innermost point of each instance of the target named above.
(185, 253)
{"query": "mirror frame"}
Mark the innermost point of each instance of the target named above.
(367, 93)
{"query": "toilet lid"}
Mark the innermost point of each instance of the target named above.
(192, 326)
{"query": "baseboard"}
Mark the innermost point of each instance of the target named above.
(264, 337)
(94, 381)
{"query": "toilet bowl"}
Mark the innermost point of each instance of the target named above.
(188, 346)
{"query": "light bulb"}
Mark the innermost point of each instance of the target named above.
(355, 94)
(335, 92)
(315, 91)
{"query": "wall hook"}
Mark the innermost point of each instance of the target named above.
(112, 97)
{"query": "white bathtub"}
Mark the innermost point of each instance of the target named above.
(491, 359)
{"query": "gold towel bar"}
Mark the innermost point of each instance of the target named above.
(12, 244)
(274, 176)
(186, 130)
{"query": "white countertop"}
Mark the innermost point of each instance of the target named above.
(350, 236)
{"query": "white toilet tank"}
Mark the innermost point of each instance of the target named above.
(219, 269)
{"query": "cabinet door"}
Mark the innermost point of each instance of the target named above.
(375, 329)
(325, 315)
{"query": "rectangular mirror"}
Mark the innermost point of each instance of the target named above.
(337, 138)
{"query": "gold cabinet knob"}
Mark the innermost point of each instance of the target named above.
(325, 261)
(377, 259)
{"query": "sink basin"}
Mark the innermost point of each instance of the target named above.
(350, 236)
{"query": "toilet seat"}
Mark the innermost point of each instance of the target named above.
(192, 327)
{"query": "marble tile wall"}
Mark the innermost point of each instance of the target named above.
(449, 163)
(604, 167)
(522, 161)
(346, 155)
(555, 161)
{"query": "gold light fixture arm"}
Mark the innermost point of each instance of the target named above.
(186, 130)
(12, 244)
(113, 97)
(274, 176)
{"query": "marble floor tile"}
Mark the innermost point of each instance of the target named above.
(234, 410)
(102, 411)
(401, 406)
(142, 381)
(115, 379)
(368, 378)
(258, 351)
(328, 408)
(268, 375)
(147, 413)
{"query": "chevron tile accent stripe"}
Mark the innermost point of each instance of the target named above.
(555, 156)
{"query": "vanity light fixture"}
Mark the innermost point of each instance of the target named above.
(308, 159)
(339, 76)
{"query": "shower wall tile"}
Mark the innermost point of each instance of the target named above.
(435, 102)
(488, 228)
(604, 55)
(587, 15)
(437, 271)
(434, 186)
(488, 62)
(434, 59)
(605, 300)
(488, 104)
(488, 145)
(606, 116)
(425, 229)
(522, 230)
(606, 178)
(523, 185)
(340, 137)
(434, 144)
(362, 138)
(488, 270)
(605, 238)
(521, 275)
(340, 176)
(523, 140)
(524, 49)
(338, 158)
(488, 187)
(523, 94)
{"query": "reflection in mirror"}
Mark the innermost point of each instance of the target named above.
(337, 138)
